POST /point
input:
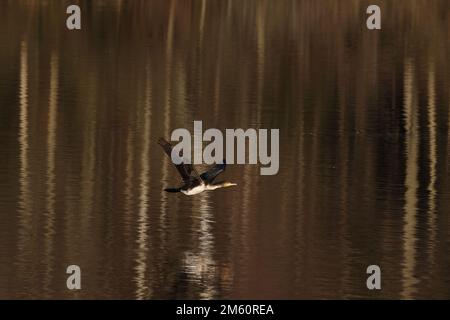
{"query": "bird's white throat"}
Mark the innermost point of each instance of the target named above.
(196, 190)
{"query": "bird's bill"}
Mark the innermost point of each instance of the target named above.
(230, 184)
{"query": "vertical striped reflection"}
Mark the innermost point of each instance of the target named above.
(200, 264)
(49, 228)
(88, 168)
(260, 57)
(128, 187)
(23, 131)
(143, 291)
(343, 178)
(166, 121)
(25, 223)
(432, 151)
(448, 136)
(411, 182)
(202, 21)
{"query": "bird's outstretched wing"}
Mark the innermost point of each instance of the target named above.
(213, 172)
(186, 171)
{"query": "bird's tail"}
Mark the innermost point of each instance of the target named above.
(162, 141)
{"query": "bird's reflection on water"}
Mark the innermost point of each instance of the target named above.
(199, 264)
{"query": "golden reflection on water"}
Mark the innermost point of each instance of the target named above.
(260, 58)
(200, 264)
(88, 173)
(364, 145)
(51, 162)
(25, 214)
(168, 74)
(411, 181)
(202, 20)
(433, 159)
(128, 191)
(143, 290)
(344, 191)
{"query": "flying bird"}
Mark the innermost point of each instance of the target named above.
(193, 183)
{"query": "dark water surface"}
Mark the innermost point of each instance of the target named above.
(364, 125)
